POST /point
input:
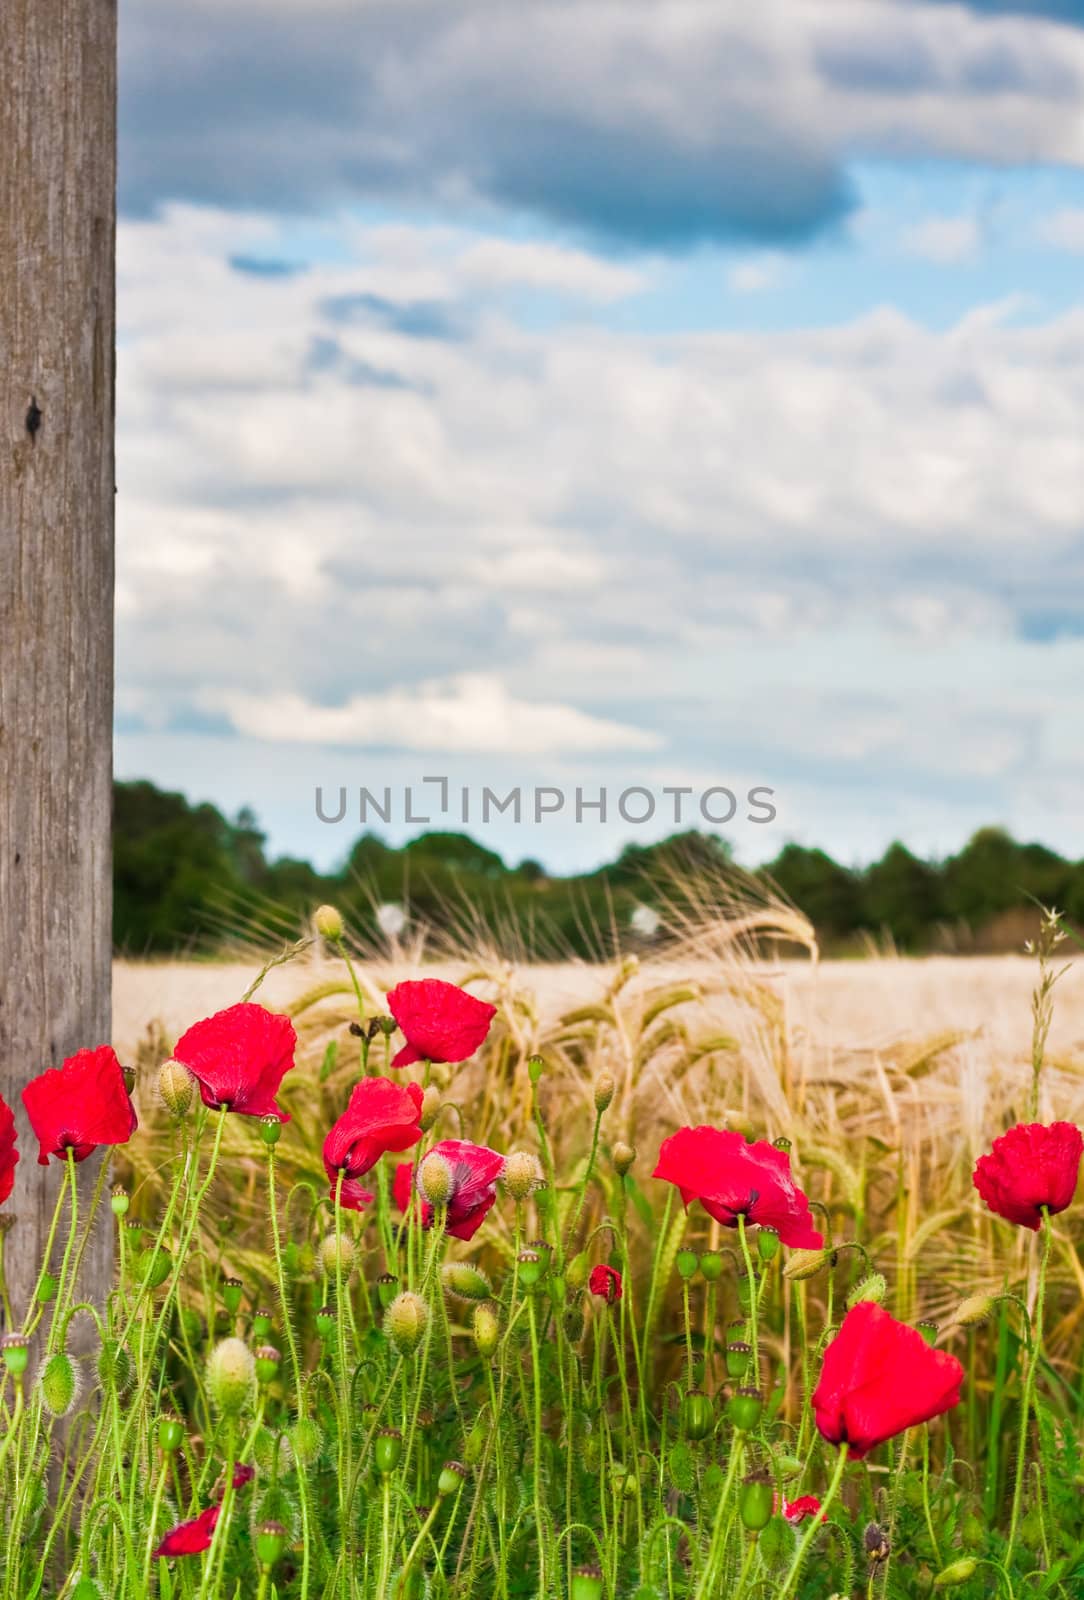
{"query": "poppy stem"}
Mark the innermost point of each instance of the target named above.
(814, 1526)
(73, 1226)
(44, 1261)
(753, 1299)
(1034, 1356)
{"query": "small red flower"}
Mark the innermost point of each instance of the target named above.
(80, 1105)
(190, 1538)
(439, 1021)
(381, 1116)
(1031, 1166)
(243, 1474)
(796, 1511)
(606, 1283)
(733, 1178)
(475, 1171)
(239, 1057)
(879, 1376)
(9, 1156)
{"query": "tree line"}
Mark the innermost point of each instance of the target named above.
(188, 878)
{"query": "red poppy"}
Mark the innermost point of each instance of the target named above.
(1029, 1167)
(80, 1105)
(190, 1538)
(796, 1511)
(475, 1171)
(879, 1376)
(381, 1116)
(243, 1474)
(439, 1021)
(239, 1057)
(733, 1178)
(9, 1156)
(606, 1283)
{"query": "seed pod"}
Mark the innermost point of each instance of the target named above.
(697, 1414)
(176, 1085)
(531, 1267)
(59, 1384)
(535, 1068)
(119, 1201)
(487, 1331)
(270, 1543)
(744, 1408)
(755, 1501)
(271, 1133)
(875, 1541)
(325, 1322)
(261, 1324)
(170, 1434)
(687, 1263)
(154, 1266)
(711, 1266)
(15, 1351)
(232, 1293)
(387, 1450)
(738, 1356)
(928, 1329)
(586, 1584)
(230, 1375)
(328, 922)
(767, 1243)
(266, 1362)
(453, 1475)
(405, 1322)
(466, 1282)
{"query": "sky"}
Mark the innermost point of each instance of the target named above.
(659, 395)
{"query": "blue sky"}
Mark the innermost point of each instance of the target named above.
(596, 395)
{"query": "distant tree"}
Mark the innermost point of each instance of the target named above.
(828, 894)
(902, 894)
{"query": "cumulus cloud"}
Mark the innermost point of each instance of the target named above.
(944, 240)
(656, 122)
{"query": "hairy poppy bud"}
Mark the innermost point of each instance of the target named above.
(306, 1441)
(487, 1330)
(47, 1287)
(738, 1356)
(687, 1263)
(453, 1475)
(232, 1292)
(928, 1329)
(115, 1366)
(697, 1414)
(522, 1174)
(430, 1108)
(435, 1179)
(974, 1310)
(604, 1091)
(59, 1384)
(622, 1156)
(873, 1287)
(805, 1264)
(956, 1573)
(577, 1270)
(744, 1408)
(328, 922)
(154, 1265)
(230, 1374)
(119, 1201)
(261, 1324)
(266, 1361)
(170, 1434)
(475, 1446)
(972, 1530)
(755, 1501)
(405, 1322)
(337, 1255)
(711, 1266)
(387, 1450)
(767, 1243)
(176, 1085)
(270, 1543)
(15, 1351)
(775, 1541)
(586, 1584)
(466, 1282)
(86, 1589)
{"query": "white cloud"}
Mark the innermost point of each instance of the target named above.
(758, 273)
(944, 240)
(1064, 229)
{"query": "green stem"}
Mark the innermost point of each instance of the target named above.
(1034, 1356)
(814, 1524)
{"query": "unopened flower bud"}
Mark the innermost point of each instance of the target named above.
(154, 1265)
(119, 1201)
(59, 1384)
(956, 1573)
(430, 1108)
(230, 1374)
(805, 1264)
(522, 1174)
(328, 922)
(622, 1156)
(875, 1541)
(86, 1589)
(974, 1310)
(687, 1263)
(176, 1085)
(755, 1501)
(337, 1255)
(453, 1475)
(387, 1450)
(577, 1270)
(266, 1361)
(697, 1414)
(487, 1330)
(604, 1091)
(306, 1441)
(435, 1179)
(170, 1434)
(115, 1366)
(47, 1287)
(271, 1540)
(873, 1287)
(466, 1281)
(405, 1322)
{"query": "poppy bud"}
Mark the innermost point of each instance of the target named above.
(47, 1287)
(270, 1130)
(387, 1287)
(466, 1282)
(972, 1530)
(119, 1201)
(487, 1330)
(687, 1263)
(697, 1414)
(325, 1322)
(1031, 1529)
(306, 1441)
(622, 1155)
(154, 1266)
(261, 1324)
(974, 1310)
(928, 1329)
(738, 1356)
(387, 1450)
(805, 1264)
(530, 1267)
(385, 1025)
(755, 1501)
(430, 1108)
(175, 1085)
(577, 1270)
(86, 1589)
(170, 1434)
(230, 1373)
(266, 1361)
(453, 1475)
(435, 1180)
(535, 1068)
(767, 1243)
(476, 1443)
(232, 1292)
(744, 1408)
(788, 1466)
(586, 1584)
(114, 1365)
(875, 1541)
(522, 1174)
(59, 1384)
(337, 1255)
(956, 1573)
(328, 923)
(405, 1322)
(775, 1541)
(711, 1266)
(873, 1287)
(270, 1543)
(604, 1091)
(15, 1351)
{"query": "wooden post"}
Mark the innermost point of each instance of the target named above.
(57, 274)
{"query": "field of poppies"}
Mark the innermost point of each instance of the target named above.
(404, 1306)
